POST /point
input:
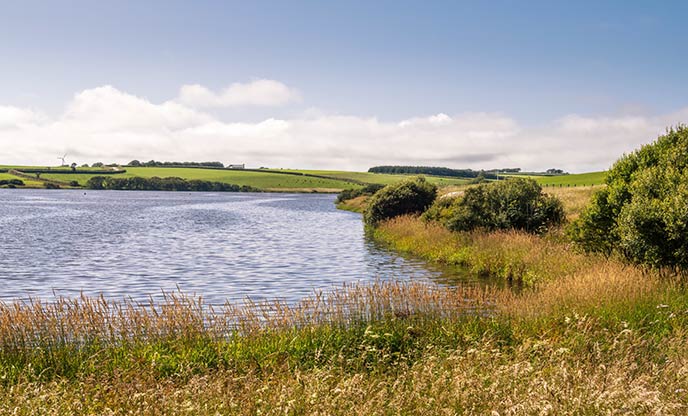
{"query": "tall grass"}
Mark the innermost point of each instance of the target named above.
(606, 341)
(511, 255)
(70, 337)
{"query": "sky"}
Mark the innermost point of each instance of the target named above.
(340, 85)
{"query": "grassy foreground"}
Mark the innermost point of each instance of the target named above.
(604, 341)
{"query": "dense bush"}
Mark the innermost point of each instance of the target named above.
(442, 209)
(643, 212)
(509, 204)
(11, 182)
(369, 189)
(410, 196)
(163, 184)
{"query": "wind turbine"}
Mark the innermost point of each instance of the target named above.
(63, 159)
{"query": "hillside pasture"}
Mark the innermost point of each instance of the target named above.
(376, 178)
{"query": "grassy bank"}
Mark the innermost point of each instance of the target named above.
(509, 255)
(608, 340)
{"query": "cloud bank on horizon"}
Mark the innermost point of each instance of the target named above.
(109, 125)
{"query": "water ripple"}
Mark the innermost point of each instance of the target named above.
(218, 245)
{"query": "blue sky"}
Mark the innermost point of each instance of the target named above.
(537, 64)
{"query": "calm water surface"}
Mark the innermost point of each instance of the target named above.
(218, 245)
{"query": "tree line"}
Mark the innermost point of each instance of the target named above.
(164, 184)
(433, 170)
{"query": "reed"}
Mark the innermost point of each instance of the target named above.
(613, 340)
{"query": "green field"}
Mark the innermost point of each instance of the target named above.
(379, 178)
(284, 180)
(275, 180)
(53, 168)
(576, 179)
(261, 180)
(27, 182)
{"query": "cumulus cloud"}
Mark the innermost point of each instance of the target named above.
(14, 116)
(106, 124)
(262, 92)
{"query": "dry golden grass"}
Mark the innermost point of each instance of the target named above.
(358, 204)
(584, 344)
(608, 283)
(474, 382)
(511, 255)
(574, 199)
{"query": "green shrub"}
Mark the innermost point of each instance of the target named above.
(352, 193)
(642, 214)
(509, 204)
(442, 209)
(410, 196)
(137, 183)
(11, 182)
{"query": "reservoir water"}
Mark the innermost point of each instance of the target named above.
(222, 246)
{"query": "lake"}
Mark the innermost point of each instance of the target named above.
(222, 246)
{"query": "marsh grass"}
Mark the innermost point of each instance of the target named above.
(74, 337)
(607, 341)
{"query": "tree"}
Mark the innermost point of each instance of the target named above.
(134, 163)
(642, 214)
(510, 204)
(410, 196)
(98, 165)
(73, 166)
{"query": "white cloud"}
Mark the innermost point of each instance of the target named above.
(262, 92)
(11, 117)
(106, 124)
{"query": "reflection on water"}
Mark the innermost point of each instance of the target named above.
(218, 245)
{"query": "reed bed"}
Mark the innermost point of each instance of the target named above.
(85, 320)
(610, 341)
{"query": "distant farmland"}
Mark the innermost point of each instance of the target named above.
(278, 180)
